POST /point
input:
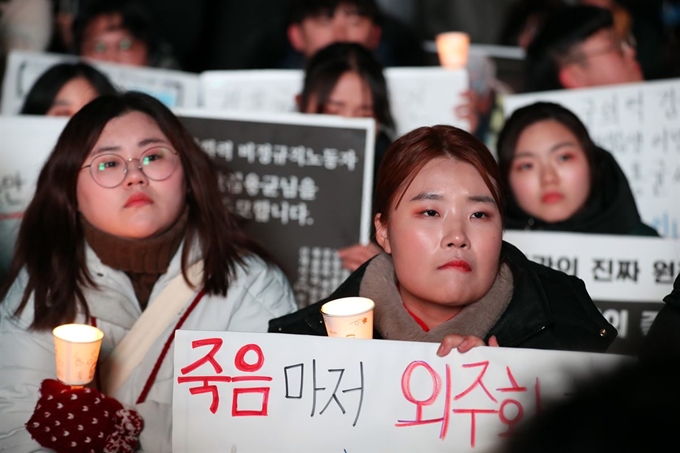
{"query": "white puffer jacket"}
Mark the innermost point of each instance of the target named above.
(258, 294)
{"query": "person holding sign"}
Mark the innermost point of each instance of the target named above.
(445, 274)
(64, 89)
(346, 79)
(127, 231)
(559, 180)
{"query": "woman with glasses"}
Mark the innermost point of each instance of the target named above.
(125, 206)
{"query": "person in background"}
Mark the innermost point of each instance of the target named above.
(126, 206)
(445, 274)
(120, 32)
(345, 79)
(314, 24)
(523, 19)
(579, 47)
(64, 89)
(559, 180)
(25, 25)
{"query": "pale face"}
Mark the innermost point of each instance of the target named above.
(351, 98)
(72, 97)
(605, 60)
(138, 207)
(445, 239)
(549, 174)
(104, 39)
(346, 25)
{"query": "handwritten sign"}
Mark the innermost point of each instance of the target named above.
(173, 88)
(274, 392)
(418, 96)
(302, 183)
(26, 142)
(626, 276)
(640, 124)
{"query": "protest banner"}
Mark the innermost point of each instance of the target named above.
(173, 88)
(259, 393)
(26, 142)
(626, 276)
(302, 183)
(418, 96)
(639, 124)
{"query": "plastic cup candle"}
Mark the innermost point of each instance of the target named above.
(349, 317)
(453, 48)
(76, 349)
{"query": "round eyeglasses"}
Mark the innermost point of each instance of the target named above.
(157, 164)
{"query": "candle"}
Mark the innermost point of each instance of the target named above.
(76, 348)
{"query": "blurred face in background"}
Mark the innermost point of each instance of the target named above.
(344, 24)
(72, 97)
(602, 59)
(351, 98)
(105, 39)
(549, 175)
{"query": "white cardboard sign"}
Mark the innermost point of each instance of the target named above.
(250, 392)
(418, 96)
(640, 124)
(613, 267)
(173, 88)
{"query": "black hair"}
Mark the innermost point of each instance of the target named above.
(531, 114)
(135, 18)
(325, 68)
(301, 9)
(42, 94)
(556, 41)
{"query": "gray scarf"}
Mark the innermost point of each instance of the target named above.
(395, 323)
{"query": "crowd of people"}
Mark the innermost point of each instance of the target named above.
(127, 204)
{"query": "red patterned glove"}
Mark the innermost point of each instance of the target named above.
(82, 420)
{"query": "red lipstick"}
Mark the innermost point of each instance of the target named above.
(460, 265)
(138, 199)
(552, 197)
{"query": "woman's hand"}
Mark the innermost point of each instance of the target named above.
(355, 255)
(462, 343)
(468, 110)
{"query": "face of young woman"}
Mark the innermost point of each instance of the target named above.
(351, 97)
(138, 207)
(72, 97)
(445, 239)
(549, 174)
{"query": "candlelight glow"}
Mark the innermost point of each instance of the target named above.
(76, 350)
(349, 317)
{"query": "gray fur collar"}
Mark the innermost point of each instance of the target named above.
(394, 323)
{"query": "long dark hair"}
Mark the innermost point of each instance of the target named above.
(412, 151)
(534, 113)
(42, 94)
(326, 67)
(51, 245)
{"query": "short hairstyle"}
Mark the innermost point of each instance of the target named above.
(325, 68)
(407, 155)
(555, 42)
(302, 9)
(135, 18)
(51, 244)
(524, 117)
(42, 94)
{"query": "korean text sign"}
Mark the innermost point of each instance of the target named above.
(275, 392)
(301, 183)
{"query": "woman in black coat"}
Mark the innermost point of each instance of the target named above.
(445, 275)
(559, 180)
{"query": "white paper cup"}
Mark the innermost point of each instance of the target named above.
(453, 49)
(349, 317)
(76, 348)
